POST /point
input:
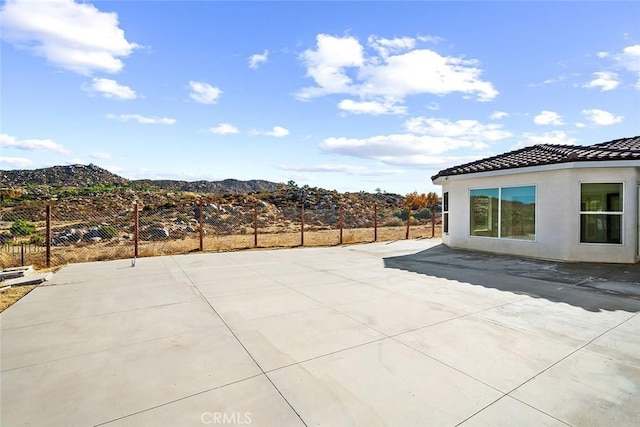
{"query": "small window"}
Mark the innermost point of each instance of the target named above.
(601, 213)
(445, 212)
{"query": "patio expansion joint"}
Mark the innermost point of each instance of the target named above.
(502, 397)
(102, 350)
(561, 360)
(393, 336)
(177, 400)
(95, 315)
(238, 340)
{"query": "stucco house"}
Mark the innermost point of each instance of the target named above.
(568, 203)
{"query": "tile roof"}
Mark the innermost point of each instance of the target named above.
(548, 154)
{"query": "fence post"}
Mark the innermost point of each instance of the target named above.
(136, 231)
(255, 223)
(48, 236)
(302, 226)
(22, 254)
(201, 223)
(408, 221)
(375, 222)
(341, 224)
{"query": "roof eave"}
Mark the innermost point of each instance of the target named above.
(580, 164)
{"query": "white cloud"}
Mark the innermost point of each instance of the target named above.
(433, 106)
(605, 80)
(258, 58)
(145, 120)
(326, 65)
(601, 117)
(17, 162)
(346, 169)
(73, 36)
(549, 81)
(224, 129)
(371, 107)
(278, 132)
(602, 55)
(432, 162)
(204, 92)
(425, 144)
(468, 130)
(548, 118)
(384, 146)
(385, 47)
(112, 89)
(391, 70)
(580, 125)
(31, 144)
(399, 149)
(556, 137)
(497, 115)
(630, 58)
(101, 155)
(76, 161)
(430, 39)
(403, 149)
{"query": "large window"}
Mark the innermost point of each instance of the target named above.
(507, 213)
(484, 212)
(601, 212)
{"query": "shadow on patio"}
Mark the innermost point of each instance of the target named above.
(593, 287)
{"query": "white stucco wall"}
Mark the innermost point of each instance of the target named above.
(557, 213)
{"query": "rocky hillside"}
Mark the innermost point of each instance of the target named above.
(61, 176)
(212, 187)
(81, 176)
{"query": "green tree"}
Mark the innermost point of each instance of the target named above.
(22, 227)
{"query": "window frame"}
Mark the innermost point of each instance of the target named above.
(499, 225)
(445, 212)
(621, 214)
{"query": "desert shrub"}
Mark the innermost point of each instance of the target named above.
(401, 213)
(36, 239)
(423, 214)
(183, 218)
(22, 227)
(107, 232)
(393, 222)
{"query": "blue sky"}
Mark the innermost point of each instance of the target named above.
(342, 95)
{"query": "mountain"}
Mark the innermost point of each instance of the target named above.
(61, 176)
(78, 176)
(214, 187)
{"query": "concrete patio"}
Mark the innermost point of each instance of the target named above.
(397, 333)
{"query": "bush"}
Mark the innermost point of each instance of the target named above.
(393, 222)
(401, 213)
(36, 240)
(423, 214)
(22, 228)
(107, 232)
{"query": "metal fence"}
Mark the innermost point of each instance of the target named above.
(62, 232)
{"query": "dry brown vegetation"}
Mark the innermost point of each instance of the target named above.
(8, 297)
(216, 243)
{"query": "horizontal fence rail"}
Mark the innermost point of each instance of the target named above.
(58, 233)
